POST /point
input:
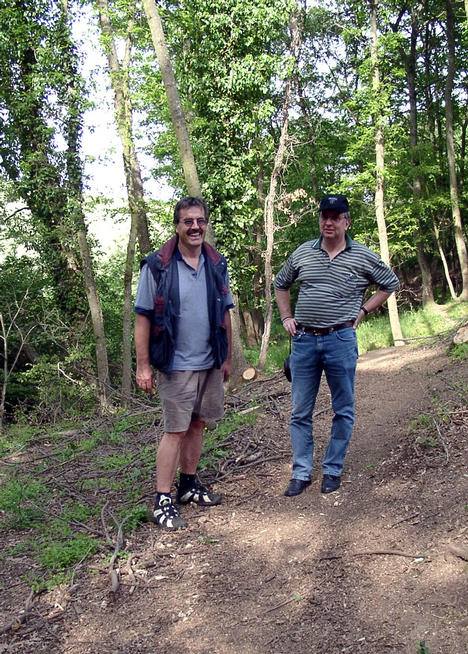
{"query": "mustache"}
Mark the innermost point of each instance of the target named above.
(192, 232)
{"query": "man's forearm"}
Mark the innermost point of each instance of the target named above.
(142, 338)
(283, 300)
(376, 300)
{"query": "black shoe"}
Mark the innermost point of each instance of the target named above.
(166, 515)
(330, 483)
(198, 494)
(296, 486)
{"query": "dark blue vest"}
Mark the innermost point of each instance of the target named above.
(163, 334)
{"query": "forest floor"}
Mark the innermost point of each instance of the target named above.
(379, 566)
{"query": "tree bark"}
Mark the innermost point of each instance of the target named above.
(410, 65)
(137, 206)
(75, 179)
(444, 262)
(456, 215)
(271, 197)
(183, 139)
(380, 172)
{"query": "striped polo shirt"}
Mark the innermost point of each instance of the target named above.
(331, 291)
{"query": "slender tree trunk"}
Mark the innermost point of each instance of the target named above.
(3, 338)
(183, 140)
(237, 351)
(380, 171)
(410, 63)
(75, 177)
(119, 75)
(175, 105)
(444, 262)
(269, 210)
(136, 201)
(456, 215)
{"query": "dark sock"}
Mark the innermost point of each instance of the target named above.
(186, 481)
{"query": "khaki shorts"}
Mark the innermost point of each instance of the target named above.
(190, 395)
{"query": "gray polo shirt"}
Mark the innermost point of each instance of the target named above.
(192, 351)
(331, 290)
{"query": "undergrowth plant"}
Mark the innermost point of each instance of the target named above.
(66, 506)
(214, 441)
(60, 523)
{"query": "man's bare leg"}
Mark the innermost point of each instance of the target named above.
(167, 460)
(191, 447)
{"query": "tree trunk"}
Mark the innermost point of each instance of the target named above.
(183, 140)
(175, 105)
(380, 171)
(410, 64)
(124, 118)
(444, 262)
(456, 215)
(75, 178)
(237, 351)
(138, 215)
(271, 198)
(249, 329)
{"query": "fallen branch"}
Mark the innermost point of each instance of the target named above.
(441, 438)
(410, 517)
(18, 621)
(372, 553)
(119, 543)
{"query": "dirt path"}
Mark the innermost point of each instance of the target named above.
(369, 569)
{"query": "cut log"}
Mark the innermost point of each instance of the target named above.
(249, 374)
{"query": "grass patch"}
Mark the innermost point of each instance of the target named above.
(459, 352)
(56, 498)
(215, 445)
(21, 500)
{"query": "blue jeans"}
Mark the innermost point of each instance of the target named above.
(335, 354)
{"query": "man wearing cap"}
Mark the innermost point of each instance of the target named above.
(333, 272)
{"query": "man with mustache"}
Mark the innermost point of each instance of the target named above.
(183, 329)
(333, 272)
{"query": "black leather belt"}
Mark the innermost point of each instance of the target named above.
(325, 330)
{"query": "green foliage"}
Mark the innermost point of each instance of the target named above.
(21, 500)
(422, 648)
(459, 352)
(100, 464)
(135, 516)
(57, 556)
(61, 386)
(214, 446)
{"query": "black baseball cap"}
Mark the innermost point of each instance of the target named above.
(335, 202)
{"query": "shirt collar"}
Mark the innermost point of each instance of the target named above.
(317, 245)
(179, 257)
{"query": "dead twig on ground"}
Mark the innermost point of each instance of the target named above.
(18, 621)
(410, 517)
(441, 439)
(372, 553)
(114, 575)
